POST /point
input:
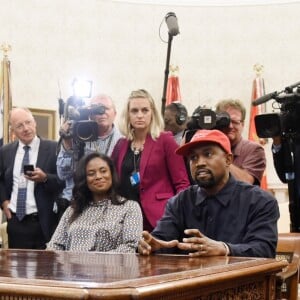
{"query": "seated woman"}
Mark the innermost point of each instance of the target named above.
(98, 218)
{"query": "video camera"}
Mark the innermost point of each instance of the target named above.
(82, 128)
(286, 122)
(205, 118)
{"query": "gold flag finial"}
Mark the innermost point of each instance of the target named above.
(174, 70)
(258, 68)
(5, 48)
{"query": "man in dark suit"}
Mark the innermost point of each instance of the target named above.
(41, 185)
(286, 157)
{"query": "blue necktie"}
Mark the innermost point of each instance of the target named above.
(21, 200)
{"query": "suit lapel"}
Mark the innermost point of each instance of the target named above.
(11, 156)
(43, 153)
(149, 144)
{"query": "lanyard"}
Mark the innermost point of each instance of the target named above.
(136, 161)
(108, 144)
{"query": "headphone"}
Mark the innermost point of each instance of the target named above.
(181, 115)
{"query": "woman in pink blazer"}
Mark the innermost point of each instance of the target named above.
(150, 172)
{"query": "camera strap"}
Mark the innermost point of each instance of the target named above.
(108, 144)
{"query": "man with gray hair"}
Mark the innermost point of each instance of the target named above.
(28, 183)
(108, 135)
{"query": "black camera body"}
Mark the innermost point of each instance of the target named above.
(205, 118)
(286, 122)
(86, 112)
(82, 129)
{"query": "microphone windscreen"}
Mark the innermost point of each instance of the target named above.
(172, 23)
(264, 99)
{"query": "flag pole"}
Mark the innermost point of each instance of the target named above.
(258, 90)
(6, 98)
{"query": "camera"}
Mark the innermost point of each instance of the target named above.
(284, 123)
(82, 129)
(205, 118)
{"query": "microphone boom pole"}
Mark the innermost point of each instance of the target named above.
(163, 100)
(172, 24)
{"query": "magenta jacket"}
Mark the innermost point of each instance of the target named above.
(163, 173)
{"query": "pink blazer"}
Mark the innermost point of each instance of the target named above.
(163, 173)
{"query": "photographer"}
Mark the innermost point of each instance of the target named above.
(249, 160)
(108, 135)
(175, 120)
(283, 166)
(283, 127)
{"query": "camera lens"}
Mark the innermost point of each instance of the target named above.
(85, 131)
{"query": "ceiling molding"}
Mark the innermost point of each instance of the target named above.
(209, 2)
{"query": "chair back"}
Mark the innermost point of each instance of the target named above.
(289, 245)
(288, 248)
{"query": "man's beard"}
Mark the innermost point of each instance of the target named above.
(206, 183)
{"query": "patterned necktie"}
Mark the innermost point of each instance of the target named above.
(21, 200)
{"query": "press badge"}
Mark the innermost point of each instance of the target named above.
(135, 178)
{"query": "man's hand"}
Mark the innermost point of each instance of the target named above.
(6, 210)
(37, 175)
(276, 140)
(200, 245)
(150, 244)
(64, 132)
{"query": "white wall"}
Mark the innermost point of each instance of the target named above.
(117, 45)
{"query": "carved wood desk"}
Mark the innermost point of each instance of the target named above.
(34, 274)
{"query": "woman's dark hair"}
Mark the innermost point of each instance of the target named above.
(82, 196)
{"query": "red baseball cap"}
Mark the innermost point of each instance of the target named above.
(204, 136)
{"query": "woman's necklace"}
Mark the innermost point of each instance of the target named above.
(137, 149)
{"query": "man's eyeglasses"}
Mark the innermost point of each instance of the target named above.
(236, 122)
(21, 126)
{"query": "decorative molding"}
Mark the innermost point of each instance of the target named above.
(45, 120)
(209, 2)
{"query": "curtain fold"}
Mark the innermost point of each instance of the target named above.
(258, 90)
(173, 87)
(5, 97)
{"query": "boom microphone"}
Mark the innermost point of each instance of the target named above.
(172, 23)
(61, 106)
(289, 89)
(264, 98)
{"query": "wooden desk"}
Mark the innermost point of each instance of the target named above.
(33, 274)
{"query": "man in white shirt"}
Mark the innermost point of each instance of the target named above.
(41, 185)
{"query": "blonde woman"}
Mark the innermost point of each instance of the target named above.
(150, 172)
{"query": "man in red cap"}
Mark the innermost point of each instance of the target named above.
(218, 215)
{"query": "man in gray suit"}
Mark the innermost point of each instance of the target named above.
(40, 185)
